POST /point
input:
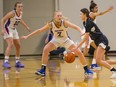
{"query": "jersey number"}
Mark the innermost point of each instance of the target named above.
(59, 34)
(16, 23)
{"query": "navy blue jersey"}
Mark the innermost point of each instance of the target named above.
(92, 28)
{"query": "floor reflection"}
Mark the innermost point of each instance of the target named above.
(9, 78)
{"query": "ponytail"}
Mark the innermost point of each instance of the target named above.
(92, 5)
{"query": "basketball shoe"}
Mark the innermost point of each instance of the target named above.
(41, 72)
(19, 65)
(95, 67)
(6, 65)
(113, 75)
(88, 72)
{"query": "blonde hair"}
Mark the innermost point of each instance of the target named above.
(63, 17)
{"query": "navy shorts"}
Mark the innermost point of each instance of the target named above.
(103, 42)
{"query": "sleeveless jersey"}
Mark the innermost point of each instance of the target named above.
(14, 21)
(93, 19)
(60, 32)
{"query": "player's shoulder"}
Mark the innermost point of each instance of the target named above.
(10, 14)
(89, 22)
(49, 24)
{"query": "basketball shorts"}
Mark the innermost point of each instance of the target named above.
(64, 42)
(103, 42)
(11, 33)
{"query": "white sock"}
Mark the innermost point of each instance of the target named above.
(6, 59)
(17, 59)
(84, 65)
(94, 61)
(44, 64)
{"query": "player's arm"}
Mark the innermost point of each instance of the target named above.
(69, 24)
(86, 37)
(25, 25)
(101, 13)
(46, 27)
(3, 20)
(47, 38)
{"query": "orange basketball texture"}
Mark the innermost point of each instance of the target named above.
(69, 57)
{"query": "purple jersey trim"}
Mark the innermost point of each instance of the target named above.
(6, 25)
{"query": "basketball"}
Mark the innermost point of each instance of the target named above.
(69, 57)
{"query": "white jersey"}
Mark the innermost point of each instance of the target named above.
(60, 32)
(14, 21)
(94, 20)
(11, 25)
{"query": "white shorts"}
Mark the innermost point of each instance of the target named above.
(62, 42)
(12, 33)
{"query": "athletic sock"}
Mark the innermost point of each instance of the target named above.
(85, 67)
(43, 66)
(17, 59)
(6, 59)
(113, 69)
(94, 61)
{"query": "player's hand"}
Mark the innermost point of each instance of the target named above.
(3, 32)
(24, 37)
(110, 8)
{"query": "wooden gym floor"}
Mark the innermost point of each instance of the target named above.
(59, 74)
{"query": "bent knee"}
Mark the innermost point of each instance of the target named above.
(46, 50)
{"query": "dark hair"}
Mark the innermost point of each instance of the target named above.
(92, 5)
(16, 4)
(85, 11)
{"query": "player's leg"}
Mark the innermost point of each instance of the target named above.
(111, 61)
(9, 40)
(17, 49)
(99, 59)
(7, 52)
(85, 50)
(17, 57)
(85, 45)
(48, 47)
(70, 45)
(94, 65)
(81, 58)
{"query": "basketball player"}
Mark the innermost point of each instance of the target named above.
(9, 23)
(60, 38)
(100, 40)
(93, 14)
